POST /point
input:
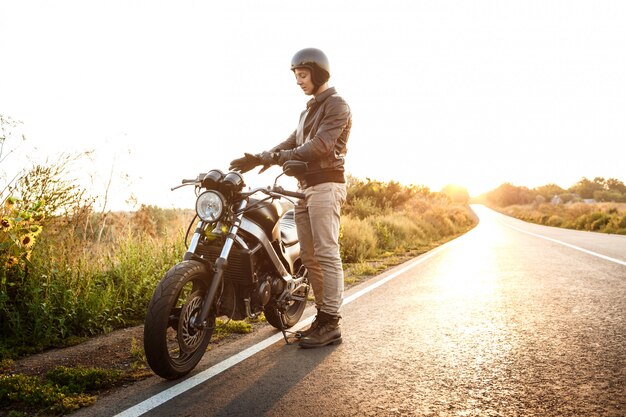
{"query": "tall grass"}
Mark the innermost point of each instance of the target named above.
(382, 218)
(73, 288)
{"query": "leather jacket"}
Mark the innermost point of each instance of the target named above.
(320, 139)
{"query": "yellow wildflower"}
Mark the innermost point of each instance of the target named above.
(11, 261)
(35, 229)
(5, 224)
(28, 240)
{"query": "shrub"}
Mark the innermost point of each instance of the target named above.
(396, 231)
(599, 221)
(358, 239)
(362, 208)
(555, 221)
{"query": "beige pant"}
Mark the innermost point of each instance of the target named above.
(317, 221)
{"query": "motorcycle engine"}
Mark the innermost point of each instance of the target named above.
(264, 292)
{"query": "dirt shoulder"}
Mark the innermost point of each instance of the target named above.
(108, 351)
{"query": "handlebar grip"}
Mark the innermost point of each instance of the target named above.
(286, 193)
(294, 194)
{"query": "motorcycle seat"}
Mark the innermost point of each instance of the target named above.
(288, 232)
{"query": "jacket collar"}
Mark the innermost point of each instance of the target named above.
(320, 98)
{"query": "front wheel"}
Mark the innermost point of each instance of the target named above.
(172, 346)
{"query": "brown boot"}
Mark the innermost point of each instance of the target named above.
(326, 333)
(304, 333)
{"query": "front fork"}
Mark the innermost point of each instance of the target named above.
(199, 321)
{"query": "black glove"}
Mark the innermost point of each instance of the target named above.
(267, 159)
(244, 164)
(295, 168)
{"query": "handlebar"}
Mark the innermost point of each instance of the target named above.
(185, 183)
(294, 194)
(275, 191)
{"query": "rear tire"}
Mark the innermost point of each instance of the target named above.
(292, 311)
(173, 348)
(290, 317)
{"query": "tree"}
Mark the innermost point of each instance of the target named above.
(508, 194)
(613, 184)
(549, 190)
(585, 188)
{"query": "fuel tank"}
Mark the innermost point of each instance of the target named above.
(266, 214)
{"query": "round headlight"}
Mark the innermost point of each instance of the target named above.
(209, 206)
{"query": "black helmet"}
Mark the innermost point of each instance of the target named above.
(316, 61)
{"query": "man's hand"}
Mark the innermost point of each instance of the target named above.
(267, 159)
(245, 164)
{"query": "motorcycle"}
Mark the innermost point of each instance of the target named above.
(243, 259)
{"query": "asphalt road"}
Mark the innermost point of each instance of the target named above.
(511, 319)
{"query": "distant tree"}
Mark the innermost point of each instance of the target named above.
(569, 197)
(549, 190)
(585, 188)
(613, 184)
(604, 195)
(508, 194)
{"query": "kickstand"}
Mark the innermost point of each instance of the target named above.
(282, 329)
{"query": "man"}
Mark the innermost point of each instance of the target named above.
(319, 140)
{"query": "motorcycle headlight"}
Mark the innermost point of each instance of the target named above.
(209, 206)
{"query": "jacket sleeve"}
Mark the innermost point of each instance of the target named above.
(287, 144)
(323, 143)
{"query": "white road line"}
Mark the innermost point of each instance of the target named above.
(578, 248)
(187, 384)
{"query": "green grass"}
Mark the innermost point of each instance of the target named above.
(61, 391)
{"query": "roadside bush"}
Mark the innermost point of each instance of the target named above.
(555, 221)
(396, 231)
(384, 218)
(361, 207)
(599, 221)
(81, 294)
(357, 240)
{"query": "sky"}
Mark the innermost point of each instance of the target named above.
(474, 93)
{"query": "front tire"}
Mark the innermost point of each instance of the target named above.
(172, 346)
